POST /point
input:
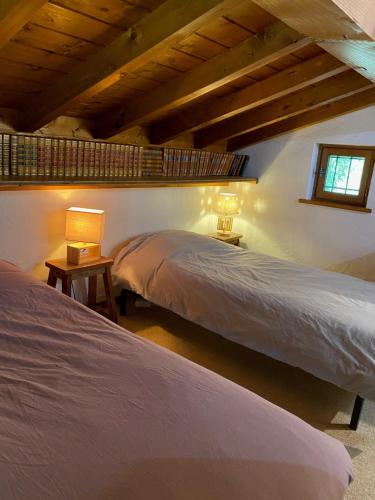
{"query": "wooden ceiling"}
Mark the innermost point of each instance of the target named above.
(223, 70)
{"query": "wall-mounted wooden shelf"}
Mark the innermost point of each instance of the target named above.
(8, 184)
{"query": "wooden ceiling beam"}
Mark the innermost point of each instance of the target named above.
(290, 80)
(277, 41)
(14, 14)
(344, 28)
(328, 111)
(163, 27)
(348, 83)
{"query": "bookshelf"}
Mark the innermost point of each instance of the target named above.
(30, 160)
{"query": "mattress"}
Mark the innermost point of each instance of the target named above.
(91, 412)
(320, 321)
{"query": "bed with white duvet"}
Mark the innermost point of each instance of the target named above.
(320, 321)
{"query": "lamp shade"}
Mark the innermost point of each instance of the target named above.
(227, 204)
(84, 224)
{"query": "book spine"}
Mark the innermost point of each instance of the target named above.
(20, 156)
(174, 163)
(91, 159)
(138, 166)
(118, 161)
(227, 164)
(55, 157)
(132, 171)
(73, 158)
(68, 158)
(102, 160)
(166, 162)
(48, 156)
(26, 155)
(122, 161)
(13, 153)
(61, 158)
(190, 164)
(110, 160)
(1, 156)
(104, 168)
(185, 162)
(6, 154)
(199, 163)
(178, 161)
(127, 169)
(116, 166)
(96, 159)
(182, 162)
(34, 156)
(80, 157)
(163, 166)
(215, 163)
(204, 158)
(208, 162)
(140, 160)
(86, 159)
(193, 163)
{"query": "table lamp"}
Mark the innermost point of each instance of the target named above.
(226, 207)
(84, 227)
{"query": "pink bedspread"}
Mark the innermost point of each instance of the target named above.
(89, 411)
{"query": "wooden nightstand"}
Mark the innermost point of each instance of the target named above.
(61, 269)
(231, 238)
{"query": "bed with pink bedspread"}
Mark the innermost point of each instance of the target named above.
(89, 411)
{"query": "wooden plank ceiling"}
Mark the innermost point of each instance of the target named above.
(239, 71)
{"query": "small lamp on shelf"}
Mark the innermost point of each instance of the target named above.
(226, 206)
(84, 227)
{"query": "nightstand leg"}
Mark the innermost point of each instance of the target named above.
(52, 279)
(107, 278)
(66, 285)
(93, 280)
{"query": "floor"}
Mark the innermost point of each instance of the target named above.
(319, 403)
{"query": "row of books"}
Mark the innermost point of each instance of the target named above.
(26, 156)
(197, 163)
(34, 156)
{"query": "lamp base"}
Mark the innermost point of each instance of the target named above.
(224, 224)
(78, 253)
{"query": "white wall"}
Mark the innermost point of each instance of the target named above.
(32, 223)
(274, 222)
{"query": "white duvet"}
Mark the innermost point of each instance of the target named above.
(320, 321)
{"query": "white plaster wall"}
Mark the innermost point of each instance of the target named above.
(274, 222)
(32, 223)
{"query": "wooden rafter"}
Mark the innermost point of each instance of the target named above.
(277, 40)
(317, 115)
(348, 83)
(14, 14)
(344, 28)
(290, 80)
(165, 26)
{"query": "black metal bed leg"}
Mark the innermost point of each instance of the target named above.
(123, 301)
(356, 415)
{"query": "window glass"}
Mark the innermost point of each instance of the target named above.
(344, 174)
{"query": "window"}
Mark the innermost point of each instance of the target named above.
(343, 175)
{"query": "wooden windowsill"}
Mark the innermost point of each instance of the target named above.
(15, 184)
(332, 204)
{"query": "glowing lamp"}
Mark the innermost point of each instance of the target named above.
(226, 206)
(84, 227)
